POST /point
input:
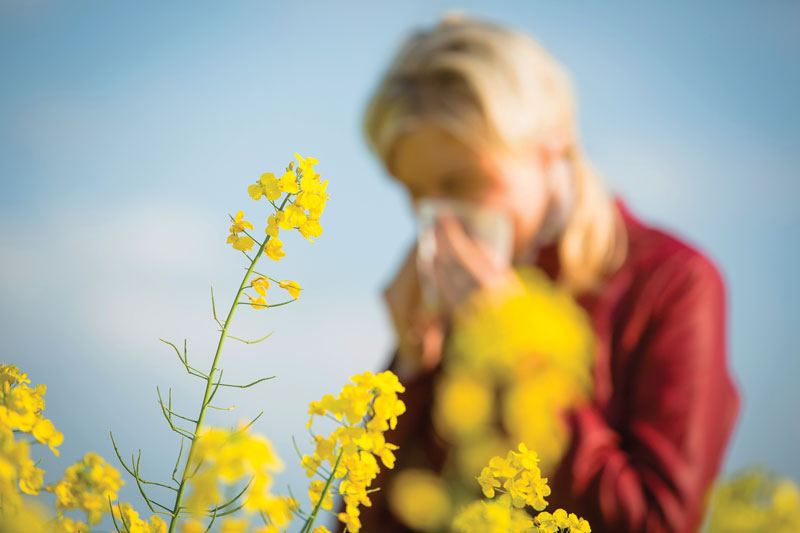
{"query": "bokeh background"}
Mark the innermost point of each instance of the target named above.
(128, 131)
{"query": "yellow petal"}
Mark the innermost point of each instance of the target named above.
(292, 286)
(243, 243)
(283, 221)
(273, 249)
(258, 303)
(260, 284)
(255, 191)
(310, 228)
(288, 182)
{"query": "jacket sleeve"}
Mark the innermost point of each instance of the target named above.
(653, 474)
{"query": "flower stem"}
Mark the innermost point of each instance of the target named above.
(210, 383)
(310, 521)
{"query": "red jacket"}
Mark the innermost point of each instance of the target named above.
(645, 451)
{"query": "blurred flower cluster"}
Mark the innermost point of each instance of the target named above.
(364, 410)
(223, 458)
(87, 485)
(21, 408)
(21, 415)
(514, 362)
(754, 500)
(131, 523)
(523, 358)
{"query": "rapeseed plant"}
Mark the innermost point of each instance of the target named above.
(216, 459)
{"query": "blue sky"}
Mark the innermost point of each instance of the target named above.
(129, 131)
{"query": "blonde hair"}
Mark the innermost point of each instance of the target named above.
(491, 86)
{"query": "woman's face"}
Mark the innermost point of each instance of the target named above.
(430, 162)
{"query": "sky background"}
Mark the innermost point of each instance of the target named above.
(128, 131)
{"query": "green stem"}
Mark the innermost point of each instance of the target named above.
(210, 383)
(310, 521)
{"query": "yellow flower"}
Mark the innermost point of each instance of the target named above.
(313, 198)
(130, 518)
(281, 509)
(578, 525)
(258, 303)
(87, 485)
(559, 520)
(192, 526)
(315, 491)
(463, 404)
(311, 465)
(786, 498)
(29, 515)
(530, 411)
(222, 456)
(502, 467)
(260, 284)
(288, 183)
(11, 374)
(387, 407)
(501, 335)
(350, 519)
(310, 228)
(313, 195)
(487, 482)
(326, 448)
(420, 499)
(754, 499)
(295, 216)
(45, 432)
(266, 185)
(292, 286)
(494, 516)
(306, 164)
(240, 243)
(234, 525)
(283, 221)
(354, 448)
(31, 479)
(239, 225)
(320, 529)
(527, 458)
(70, 525)
(21, 410)
(273, 249)
(272, 225)
(523, 482)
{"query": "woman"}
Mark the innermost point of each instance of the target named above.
(473, 111)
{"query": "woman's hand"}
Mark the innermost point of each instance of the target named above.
(460, 266)
(463, 265)
(420, 333)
